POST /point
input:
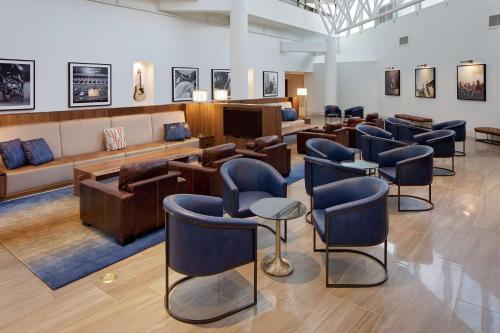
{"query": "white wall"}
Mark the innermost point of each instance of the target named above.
(55, 32)
(440, 36)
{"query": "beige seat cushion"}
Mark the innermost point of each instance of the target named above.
(283, 105)
(96, 157)
(193, 142)
(287, 124)
(32, 177)
(144, 148)
(161, 118)
(83, 136)
(137, 127)
(48, 131)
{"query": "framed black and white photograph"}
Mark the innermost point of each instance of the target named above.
(184, 81)
(270, 84)
(89, 84)
(425, 82)
(17, 84)
(392, 82)
(471, 82)
(221, 79)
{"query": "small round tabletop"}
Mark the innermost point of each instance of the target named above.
(360, 164)
(278, 208)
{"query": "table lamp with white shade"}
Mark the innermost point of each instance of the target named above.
(220, 95)
(302, 92)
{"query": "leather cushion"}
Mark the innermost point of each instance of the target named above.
(37, 151)
(212, 154)
(289, 114)
(330, 128)
(265, 141)
(371, 117)
(353, 121)
(13, 154)
(131, 173)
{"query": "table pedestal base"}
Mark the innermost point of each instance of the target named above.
(277, 266)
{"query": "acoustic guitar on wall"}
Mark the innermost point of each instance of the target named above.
(139, 93)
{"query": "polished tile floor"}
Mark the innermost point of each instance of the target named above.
(444, 277)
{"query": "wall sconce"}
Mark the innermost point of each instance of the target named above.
(220, 94)
(390, 68)
(467, 62)
(200, 96)
(422, 66)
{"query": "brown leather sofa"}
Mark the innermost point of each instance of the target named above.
(269, 149)
(203, 176)
(331, 132)
(131, 205)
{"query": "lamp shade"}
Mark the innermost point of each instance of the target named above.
(220, 94)
(302, 92)
(200, 96)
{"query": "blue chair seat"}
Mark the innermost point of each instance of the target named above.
(388, 173)
(249, 198)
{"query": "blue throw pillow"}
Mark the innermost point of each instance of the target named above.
(37, 151)
(12, 154)
(174, 132)
(289, 114)
(188, 131)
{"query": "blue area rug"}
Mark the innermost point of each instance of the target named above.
(45, 233)
(296, 173)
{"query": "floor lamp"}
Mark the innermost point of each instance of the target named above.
(302, 92)
(199, 97)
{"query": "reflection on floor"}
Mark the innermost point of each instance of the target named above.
(444, 277)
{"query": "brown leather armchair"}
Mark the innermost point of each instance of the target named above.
(269, 149)
(203, 176)
(333, 132)
(131, 205)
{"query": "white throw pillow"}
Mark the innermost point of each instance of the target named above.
(115, 138)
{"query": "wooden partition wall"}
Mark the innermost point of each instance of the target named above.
(204, 118)
(294, 100)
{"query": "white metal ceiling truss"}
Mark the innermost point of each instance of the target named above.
(343, 15)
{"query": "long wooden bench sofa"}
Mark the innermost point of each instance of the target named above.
(81, 141)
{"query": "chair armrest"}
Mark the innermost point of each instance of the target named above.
(388, 158)
(276, 184)
(170, 175)
(106, 189)
(356, 206)
(251, 154)
(217, 164)
(231, 194)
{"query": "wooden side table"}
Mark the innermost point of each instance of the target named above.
(206, 141)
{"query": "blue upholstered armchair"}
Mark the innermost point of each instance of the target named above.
(405, 132)
(329, 150)
(409, 166)
(374, 141)
(352, 213)
(246, 181)
(319, 171)
(200, 242)
(356, 111)
(332, 111)
(459, 126)
(443, 143)
(390, 125)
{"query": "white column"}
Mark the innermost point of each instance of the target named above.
(331, 71)
(239, 49)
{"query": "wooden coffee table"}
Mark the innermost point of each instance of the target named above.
(108, 169)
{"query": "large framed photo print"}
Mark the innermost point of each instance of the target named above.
(184, 81)
(270, 84)
(17, 84)
(392, 82)
(89, 84)
(471, 82)
(221, 79)
(425, 82)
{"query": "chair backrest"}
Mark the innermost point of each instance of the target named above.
(212, 154)
(372, 146)
(417, 173)
(390, 125)
(248, 174)
(319, 171)
(442, 141)
(367, 201)
(197, 243)
(332, 110)
(327, 149)
(459, 126)
(131, 173)
(405, 132)
(372, 131)
(265, 141)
